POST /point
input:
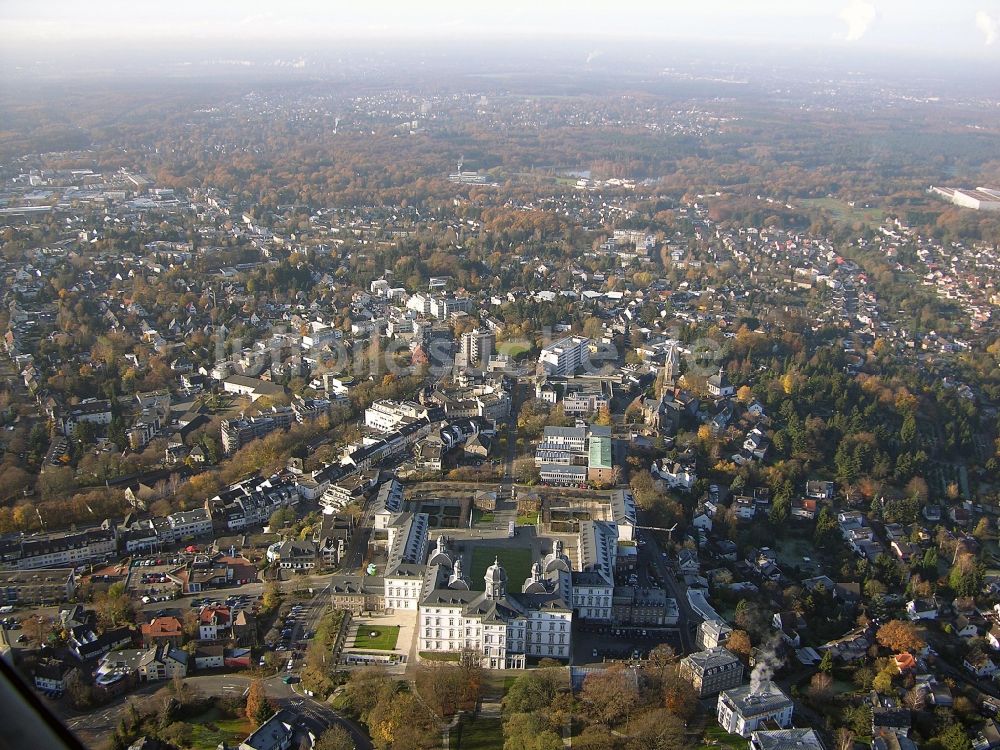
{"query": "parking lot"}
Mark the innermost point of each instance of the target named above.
(293, 628)
(148, 581)
(595, 644)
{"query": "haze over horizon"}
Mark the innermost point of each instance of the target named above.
(964, 30)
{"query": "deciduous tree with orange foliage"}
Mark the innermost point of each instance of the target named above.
(899, 636)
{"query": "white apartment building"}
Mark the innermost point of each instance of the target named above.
(566, 356)
(387, 416)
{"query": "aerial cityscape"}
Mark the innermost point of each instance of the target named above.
(448, 390)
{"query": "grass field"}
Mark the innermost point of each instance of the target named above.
(479, 734)
(716, 737)
(794, 551)
(530, 519)
(481, 516)
(210, 729)
(516, 562)
(840, 211)
(383, 640)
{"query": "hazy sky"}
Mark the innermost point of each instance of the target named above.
(955, 28)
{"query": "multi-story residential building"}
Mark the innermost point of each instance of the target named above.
(443, 308)
(146, 427)
(35, 587)
(386, 416)
(349, 490)
(308, 409)
(190, 524)
(50, 675)
(214, 623)
(141, 536)
(60, 550)
(250, 503)
(475, 348)
(331, 538)
(293, 555)
(162, 630)
(566, 356)
(157, 663)
(711, 671)
(238, 432)
(95, 411)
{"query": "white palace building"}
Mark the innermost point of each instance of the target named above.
(504, 628)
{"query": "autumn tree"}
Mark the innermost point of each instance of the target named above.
(679, 697)
(609, 695)
(448, 689)
(531, 691)
(334, 738)
(660, 660)
(899, 636)
(258, 709)
(820, 687)
(658, 729)
(529, 731)
(272, 595)
(402, 722)
(114, 607)
(739, 643)
(966, 576)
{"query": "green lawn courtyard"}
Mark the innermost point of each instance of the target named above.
(515, 560)
(384, 638)
(478, 734)
(212, 728)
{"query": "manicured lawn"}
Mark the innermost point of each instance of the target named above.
(478, 734)
(513, 349)
(210, 729)
(716, 737)
(528, 520)
(383, 640)
(516, 561)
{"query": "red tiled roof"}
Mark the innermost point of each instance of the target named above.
(162, 627)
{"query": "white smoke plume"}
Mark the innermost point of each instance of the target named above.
(767, 661)
(988, 25)
(858, 15)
